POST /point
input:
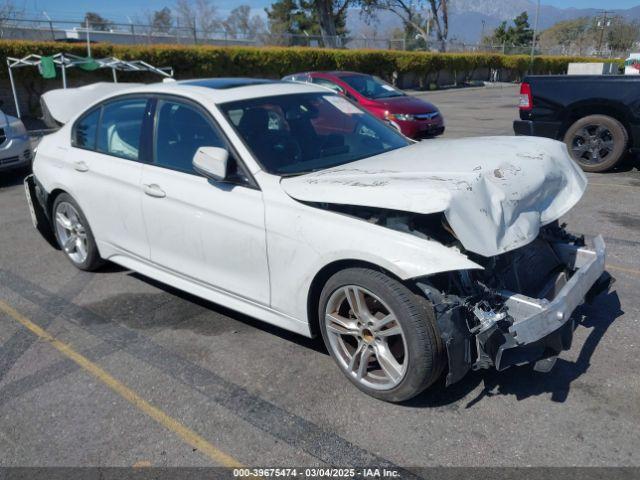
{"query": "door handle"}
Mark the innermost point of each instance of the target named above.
(154, 190)
(81, 166)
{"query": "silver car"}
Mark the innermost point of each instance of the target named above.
(15, 146)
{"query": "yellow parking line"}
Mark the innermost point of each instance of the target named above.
(186, 434)
(624, 269)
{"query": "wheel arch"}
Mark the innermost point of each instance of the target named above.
(51, 198)
(580, 110)
(321, 277)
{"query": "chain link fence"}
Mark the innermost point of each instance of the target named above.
(72, 31)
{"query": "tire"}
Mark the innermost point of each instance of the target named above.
(596, 142)
(83, 253)
(390, 320)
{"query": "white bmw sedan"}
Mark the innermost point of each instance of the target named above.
(291, 204)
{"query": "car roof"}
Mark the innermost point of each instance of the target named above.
(221, 90)
(342, 73)
(228, 82)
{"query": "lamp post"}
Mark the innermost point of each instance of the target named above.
(535, 33)
(53, 36)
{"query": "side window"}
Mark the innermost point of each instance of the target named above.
(84, 131)
(180, 131)
(120, 128)
(326, 83)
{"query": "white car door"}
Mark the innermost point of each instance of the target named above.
(210, 231)
(106, 159)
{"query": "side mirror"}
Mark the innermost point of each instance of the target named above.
(211, 162)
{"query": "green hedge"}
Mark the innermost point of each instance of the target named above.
(208, 61)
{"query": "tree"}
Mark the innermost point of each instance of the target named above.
(440, 18)
(517, 35)
(416, 16)
(287, 17)
(521, 33)
(569, 37)
(9, 12)
(583, 36)
(199, 17)
(331, 15)
(302, 17)
(208, 21)
(622, 35)
(241, 22)
(162, 20)
(95, 21)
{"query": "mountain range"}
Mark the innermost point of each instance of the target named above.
(466, 17)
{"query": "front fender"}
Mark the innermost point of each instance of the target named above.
(303, 240)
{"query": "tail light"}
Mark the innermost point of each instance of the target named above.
(526, 99)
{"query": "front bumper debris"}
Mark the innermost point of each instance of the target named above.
(37, 202)
(493, 327)
(543, 327)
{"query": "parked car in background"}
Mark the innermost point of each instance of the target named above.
(596, 116)
(414, 117)
(287, 202)
(15, 145)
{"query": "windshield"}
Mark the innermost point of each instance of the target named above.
(295, 134)
(371, 87)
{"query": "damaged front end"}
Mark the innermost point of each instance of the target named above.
(518, 309)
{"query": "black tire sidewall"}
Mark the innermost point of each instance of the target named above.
(93, 260)
(620, 140)
(416, 318)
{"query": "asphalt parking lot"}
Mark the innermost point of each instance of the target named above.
(113, 369)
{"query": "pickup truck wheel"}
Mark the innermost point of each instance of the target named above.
(382, 336)
(596, 142)
(74, 234)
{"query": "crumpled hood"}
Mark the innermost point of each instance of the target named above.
(496, 192)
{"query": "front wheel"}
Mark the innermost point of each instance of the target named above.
(596, 142)
(383, 337)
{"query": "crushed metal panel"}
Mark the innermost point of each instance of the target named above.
(496, 192)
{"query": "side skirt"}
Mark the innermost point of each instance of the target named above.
(205, 291)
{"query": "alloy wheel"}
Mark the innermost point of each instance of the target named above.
(366, 337)
(71, 232)
(592, 144)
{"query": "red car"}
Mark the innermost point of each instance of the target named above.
(415, 118)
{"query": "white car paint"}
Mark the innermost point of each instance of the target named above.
(258, 250)
(63, 104)
(496, 192)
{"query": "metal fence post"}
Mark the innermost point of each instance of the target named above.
(13, 89)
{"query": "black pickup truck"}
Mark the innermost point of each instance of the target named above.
(597, 116)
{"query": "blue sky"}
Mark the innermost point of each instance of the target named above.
(592, 3)
(119, 9)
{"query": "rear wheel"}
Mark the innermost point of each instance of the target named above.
(596, 142)
(382, 336)
(74, 234)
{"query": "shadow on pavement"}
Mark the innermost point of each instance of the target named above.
(11, 178)
(523, 382)
(174, 309)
